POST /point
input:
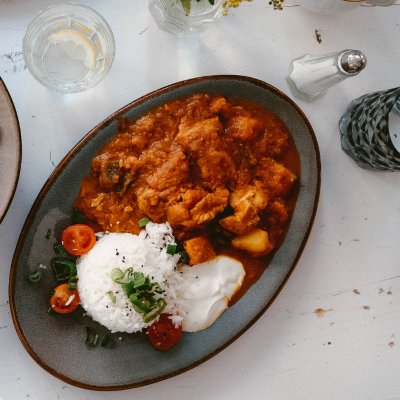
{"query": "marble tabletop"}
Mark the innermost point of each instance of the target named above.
(351, 264)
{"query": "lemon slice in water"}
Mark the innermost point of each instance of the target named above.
(76, 45)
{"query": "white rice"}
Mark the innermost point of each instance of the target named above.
(144, 253)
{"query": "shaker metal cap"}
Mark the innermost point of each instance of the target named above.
(352, 62)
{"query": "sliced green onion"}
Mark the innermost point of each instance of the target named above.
(116, 273)
(118, 276)
(36, 277)
(155, 288)
(139, 304)
(105, 341)
(51, 311)
(64, 269)
(137, 275)
(141, 283)
(171, 249)
(95, 339)
(59, 249)
(112, 296)
(72, 283)
(77, 217)
(144, 222)
(90, 335)
(184, 257)
(151, 316)
(48, 233)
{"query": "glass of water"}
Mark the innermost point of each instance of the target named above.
(185, 17)
(370, 130)
(68, 47)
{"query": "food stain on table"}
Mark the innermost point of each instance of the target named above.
(318, 35)
(356, 291)
(366, 307)
(321, 312)
(391, 344)
(13, 61)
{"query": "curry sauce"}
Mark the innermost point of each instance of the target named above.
(211, 167)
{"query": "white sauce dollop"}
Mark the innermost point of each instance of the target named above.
(211, 285)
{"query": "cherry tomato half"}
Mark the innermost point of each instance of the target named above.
(163, 334)
(78, 239)
(62, 297)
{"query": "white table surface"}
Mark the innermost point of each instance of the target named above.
(353, 352)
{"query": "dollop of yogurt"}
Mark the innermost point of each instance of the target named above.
(211, 285)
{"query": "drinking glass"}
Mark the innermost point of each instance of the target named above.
(57, 43)
(174, 16)
(370, 130)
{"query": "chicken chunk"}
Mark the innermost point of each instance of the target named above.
(255, 242)
(244, 128)
(254, 193)
(171, 174)
(246, 202)
(275, 177)
(206, 209)
(200, 137)
(192, 214)
(244, 218)
(199, 250)
(217, 169)
(203, 143)
(218, 106)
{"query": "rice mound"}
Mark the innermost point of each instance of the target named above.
(145, 253)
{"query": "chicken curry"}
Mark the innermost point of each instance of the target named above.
(224, 173)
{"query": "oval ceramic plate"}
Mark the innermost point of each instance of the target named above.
(56, 342)
(10, 150)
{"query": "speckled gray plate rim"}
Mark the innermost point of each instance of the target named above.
(10, 150)
(56, 342)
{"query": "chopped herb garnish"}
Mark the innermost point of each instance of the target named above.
(95, 339)
(51, 311)
(64, 269)
(171, 249)
(90, 335)
(59, 249)
(184, 257)
(77, 217)
(144, 222)
(105, 341)
(112, 296)
(48, 233)
(36, 277)
(72, 283)
(141, 293)
(152, 315)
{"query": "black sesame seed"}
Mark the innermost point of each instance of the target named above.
(117, 254)
(127, 314)
(107, 306)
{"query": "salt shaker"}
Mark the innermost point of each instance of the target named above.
(310, 77)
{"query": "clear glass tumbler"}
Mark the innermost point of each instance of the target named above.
(68, 47)
(185, 17)
(370, 131)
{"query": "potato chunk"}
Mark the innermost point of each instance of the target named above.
(255, 242)
(199, 250)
